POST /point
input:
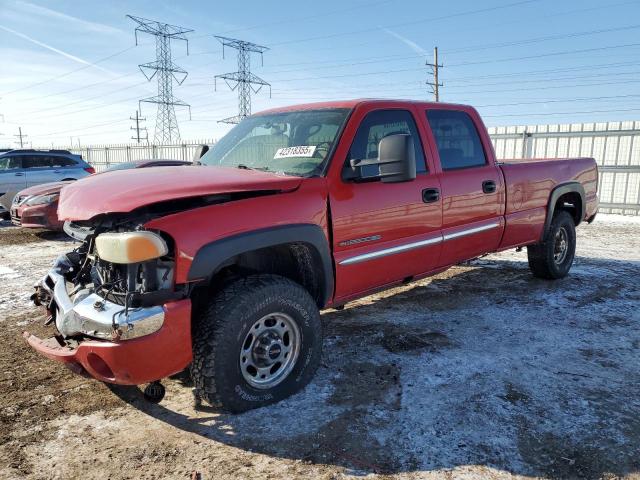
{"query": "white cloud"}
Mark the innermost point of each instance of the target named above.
(410, 43)
(54, 49)
(85, 24)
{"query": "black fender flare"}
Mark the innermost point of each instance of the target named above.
(212, 256)
(556, 193)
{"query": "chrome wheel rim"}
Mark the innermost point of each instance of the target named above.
(270, 350)
(560, 246)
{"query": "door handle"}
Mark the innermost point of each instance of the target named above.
(19, 174)
(430, 195)
(489, 186)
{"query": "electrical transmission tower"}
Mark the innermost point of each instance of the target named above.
(166, 71)
(243, 79)
(21, 136)
(138, 128)
(435, 67)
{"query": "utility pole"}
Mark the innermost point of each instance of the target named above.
(167, 131)
(137, 128)
(21, 136)
(435, 67)
(243, 79)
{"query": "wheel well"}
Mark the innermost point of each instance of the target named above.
(299, 262)
(570, 202)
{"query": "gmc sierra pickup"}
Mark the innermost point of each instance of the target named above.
(225, 265)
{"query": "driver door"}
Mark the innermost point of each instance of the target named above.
(384, 232)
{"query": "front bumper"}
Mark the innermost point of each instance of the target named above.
(38, 216)
(130, 362)
(129, 347)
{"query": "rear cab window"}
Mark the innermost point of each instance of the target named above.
(457, 139)
(374, 127)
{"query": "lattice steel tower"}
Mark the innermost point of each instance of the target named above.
(243, 79)
(166, 124)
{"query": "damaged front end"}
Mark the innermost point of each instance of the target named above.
(117, 311)
(87, 295)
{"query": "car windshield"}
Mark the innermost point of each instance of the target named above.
(293, 143)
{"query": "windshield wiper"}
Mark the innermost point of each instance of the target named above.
(246, 167)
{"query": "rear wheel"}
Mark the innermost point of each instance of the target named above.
(256, 342)
(552, 259)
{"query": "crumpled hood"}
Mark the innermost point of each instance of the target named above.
(43, 189)
(125, 190)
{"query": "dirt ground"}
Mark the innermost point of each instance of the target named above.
(480, 372)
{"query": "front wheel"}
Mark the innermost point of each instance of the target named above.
(552, 259)
(258, 341)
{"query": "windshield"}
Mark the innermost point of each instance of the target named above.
(294, 143)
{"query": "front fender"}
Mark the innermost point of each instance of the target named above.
(212, 256)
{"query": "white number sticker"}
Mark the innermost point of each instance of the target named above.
(299, 151)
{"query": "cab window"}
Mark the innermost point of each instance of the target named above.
(10, 163)
(57, 161)
(377, 125)
(36, 161)
(457, 138)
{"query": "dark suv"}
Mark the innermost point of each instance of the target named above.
(20, 169)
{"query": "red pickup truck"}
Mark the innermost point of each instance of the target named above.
(224, 266)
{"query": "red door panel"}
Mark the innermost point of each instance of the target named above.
(472, 222)
(383, 233)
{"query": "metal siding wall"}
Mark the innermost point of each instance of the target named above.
(614, 145)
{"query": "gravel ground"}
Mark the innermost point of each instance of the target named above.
(479, 372)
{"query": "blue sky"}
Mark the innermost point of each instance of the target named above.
(518, 61)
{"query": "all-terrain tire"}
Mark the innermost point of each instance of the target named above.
(546, 259)
(220, 331)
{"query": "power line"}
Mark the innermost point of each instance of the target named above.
(536, 114)
(242, 80)
(166, 124)
(70, 72)
(413, 22)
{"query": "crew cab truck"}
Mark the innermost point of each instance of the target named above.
(225, 266)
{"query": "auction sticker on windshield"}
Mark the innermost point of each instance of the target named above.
(299, 151)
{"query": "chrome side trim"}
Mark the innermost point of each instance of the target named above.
(471, 231)
(391, 251)
(410, 246)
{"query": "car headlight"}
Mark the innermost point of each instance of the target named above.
(41, 199)
(130, 247)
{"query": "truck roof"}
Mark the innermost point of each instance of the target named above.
(355, 102)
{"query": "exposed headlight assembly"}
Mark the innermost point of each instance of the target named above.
(130, 247)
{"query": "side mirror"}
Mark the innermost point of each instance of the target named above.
(200, 151)
(396, 159)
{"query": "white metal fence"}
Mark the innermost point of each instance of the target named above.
(614, 145)
(102, 157)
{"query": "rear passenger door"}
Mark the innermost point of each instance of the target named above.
(63, 167)
(472, 186)
(12, 178)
